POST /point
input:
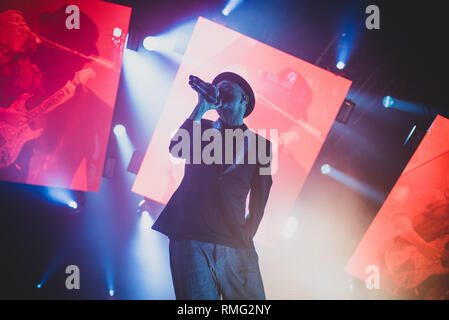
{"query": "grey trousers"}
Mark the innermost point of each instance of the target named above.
(209, 271)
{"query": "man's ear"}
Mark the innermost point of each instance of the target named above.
(244, 98)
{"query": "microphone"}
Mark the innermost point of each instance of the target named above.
(34, 36)
(207, 90)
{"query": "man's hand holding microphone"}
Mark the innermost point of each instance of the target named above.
(208, 97)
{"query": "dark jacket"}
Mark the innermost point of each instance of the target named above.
(210, 203)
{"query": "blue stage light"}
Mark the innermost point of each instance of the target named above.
(325, 169)
(39, 285)
(388, 101)
(73, 204)
(230, 6)
(340, 65)
(111, 293)
(119, 130)
(117, 32)
(365, 189)
(345, 46)
(125, 145)
(149, 43)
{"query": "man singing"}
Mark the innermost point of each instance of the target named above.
(212, 254)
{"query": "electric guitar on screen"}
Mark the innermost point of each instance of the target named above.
(13, 137)
(409, 267)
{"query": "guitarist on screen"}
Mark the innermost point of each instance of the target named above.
(418, 258)
(18, 75)
(43, 105)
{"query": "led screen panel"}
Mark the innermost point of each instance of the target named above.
(60, 68)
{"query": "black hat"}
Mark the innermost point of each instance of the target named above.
(230, 76)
